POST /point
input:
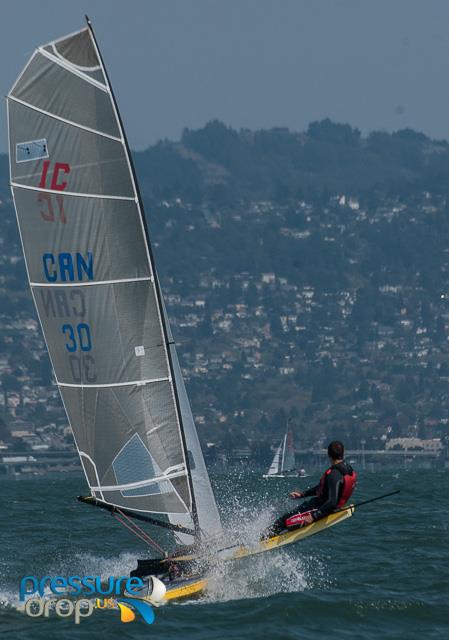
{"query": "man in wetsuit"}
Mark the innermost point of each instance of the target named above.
(332, 492)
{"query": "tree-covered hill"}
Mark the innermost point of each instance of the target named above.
(225, 165)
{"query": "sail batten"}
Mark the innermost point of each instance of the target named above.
(89, 284)
(113, 384)
(101, 196)
(65, 120)
(56, 58)
(93, 280)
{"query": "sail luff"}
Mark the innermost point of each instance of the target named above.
(156, 285)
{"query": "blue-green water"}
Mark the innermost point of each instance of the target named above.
(382, 574)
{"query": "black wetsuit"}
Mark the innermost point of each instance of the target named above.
(325, 498)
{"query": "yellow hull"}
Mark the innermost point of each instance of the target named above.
(186, 591)
(295, 535)
(196, 587)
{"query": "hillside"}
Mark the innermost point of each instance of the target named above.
(306, 274)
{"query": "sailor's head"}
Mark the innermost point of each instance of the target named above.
(336, 450)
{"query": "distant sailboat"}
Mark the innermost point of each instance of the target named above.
(283, 464)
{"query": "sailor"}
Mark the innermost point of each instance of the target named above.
(332, 492)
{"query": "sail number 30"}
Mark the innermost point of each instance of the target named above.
(78, 338)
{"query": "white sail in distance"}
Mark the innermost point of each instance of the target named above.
(276, 465)
(284, 457)
(288, 458)
(94, 283)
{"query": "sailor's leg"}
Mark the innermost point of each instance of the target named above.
(279, 525)
(309, 505)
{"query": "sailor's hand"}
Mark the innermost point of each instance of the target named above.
(296, 494)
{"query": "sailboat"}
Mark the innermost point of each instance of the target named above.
(283, 465)
(95, 286)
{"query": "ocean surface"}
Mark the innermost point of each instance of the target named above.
(382, 574)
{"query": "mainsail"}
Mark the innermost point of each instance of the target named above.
(93, 280)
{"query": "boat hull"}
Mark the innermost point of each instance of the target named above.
(280, 475)
(192, 587)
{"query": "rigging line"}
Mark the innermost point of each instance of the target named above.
(116, 517)
(144, 533)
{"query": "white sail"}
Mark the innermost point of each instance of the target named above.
(95, 287)
(275, 467)
(284, 458)
(288, 458)
(206, 508)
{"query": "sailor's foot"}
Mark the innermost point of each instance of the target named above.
(273, 530)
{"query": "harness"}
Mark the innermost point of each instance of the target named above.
(349, 481)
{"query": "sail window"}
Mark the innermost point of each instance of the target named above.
(32, 150)
(135, 463)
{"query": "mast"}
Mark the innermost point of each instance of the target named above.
(156, 279)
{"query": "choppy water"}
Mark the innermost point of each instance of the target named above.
(382, 574)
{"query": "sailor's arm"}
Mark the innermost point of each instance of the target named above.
(311, 491)
(305, 494)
